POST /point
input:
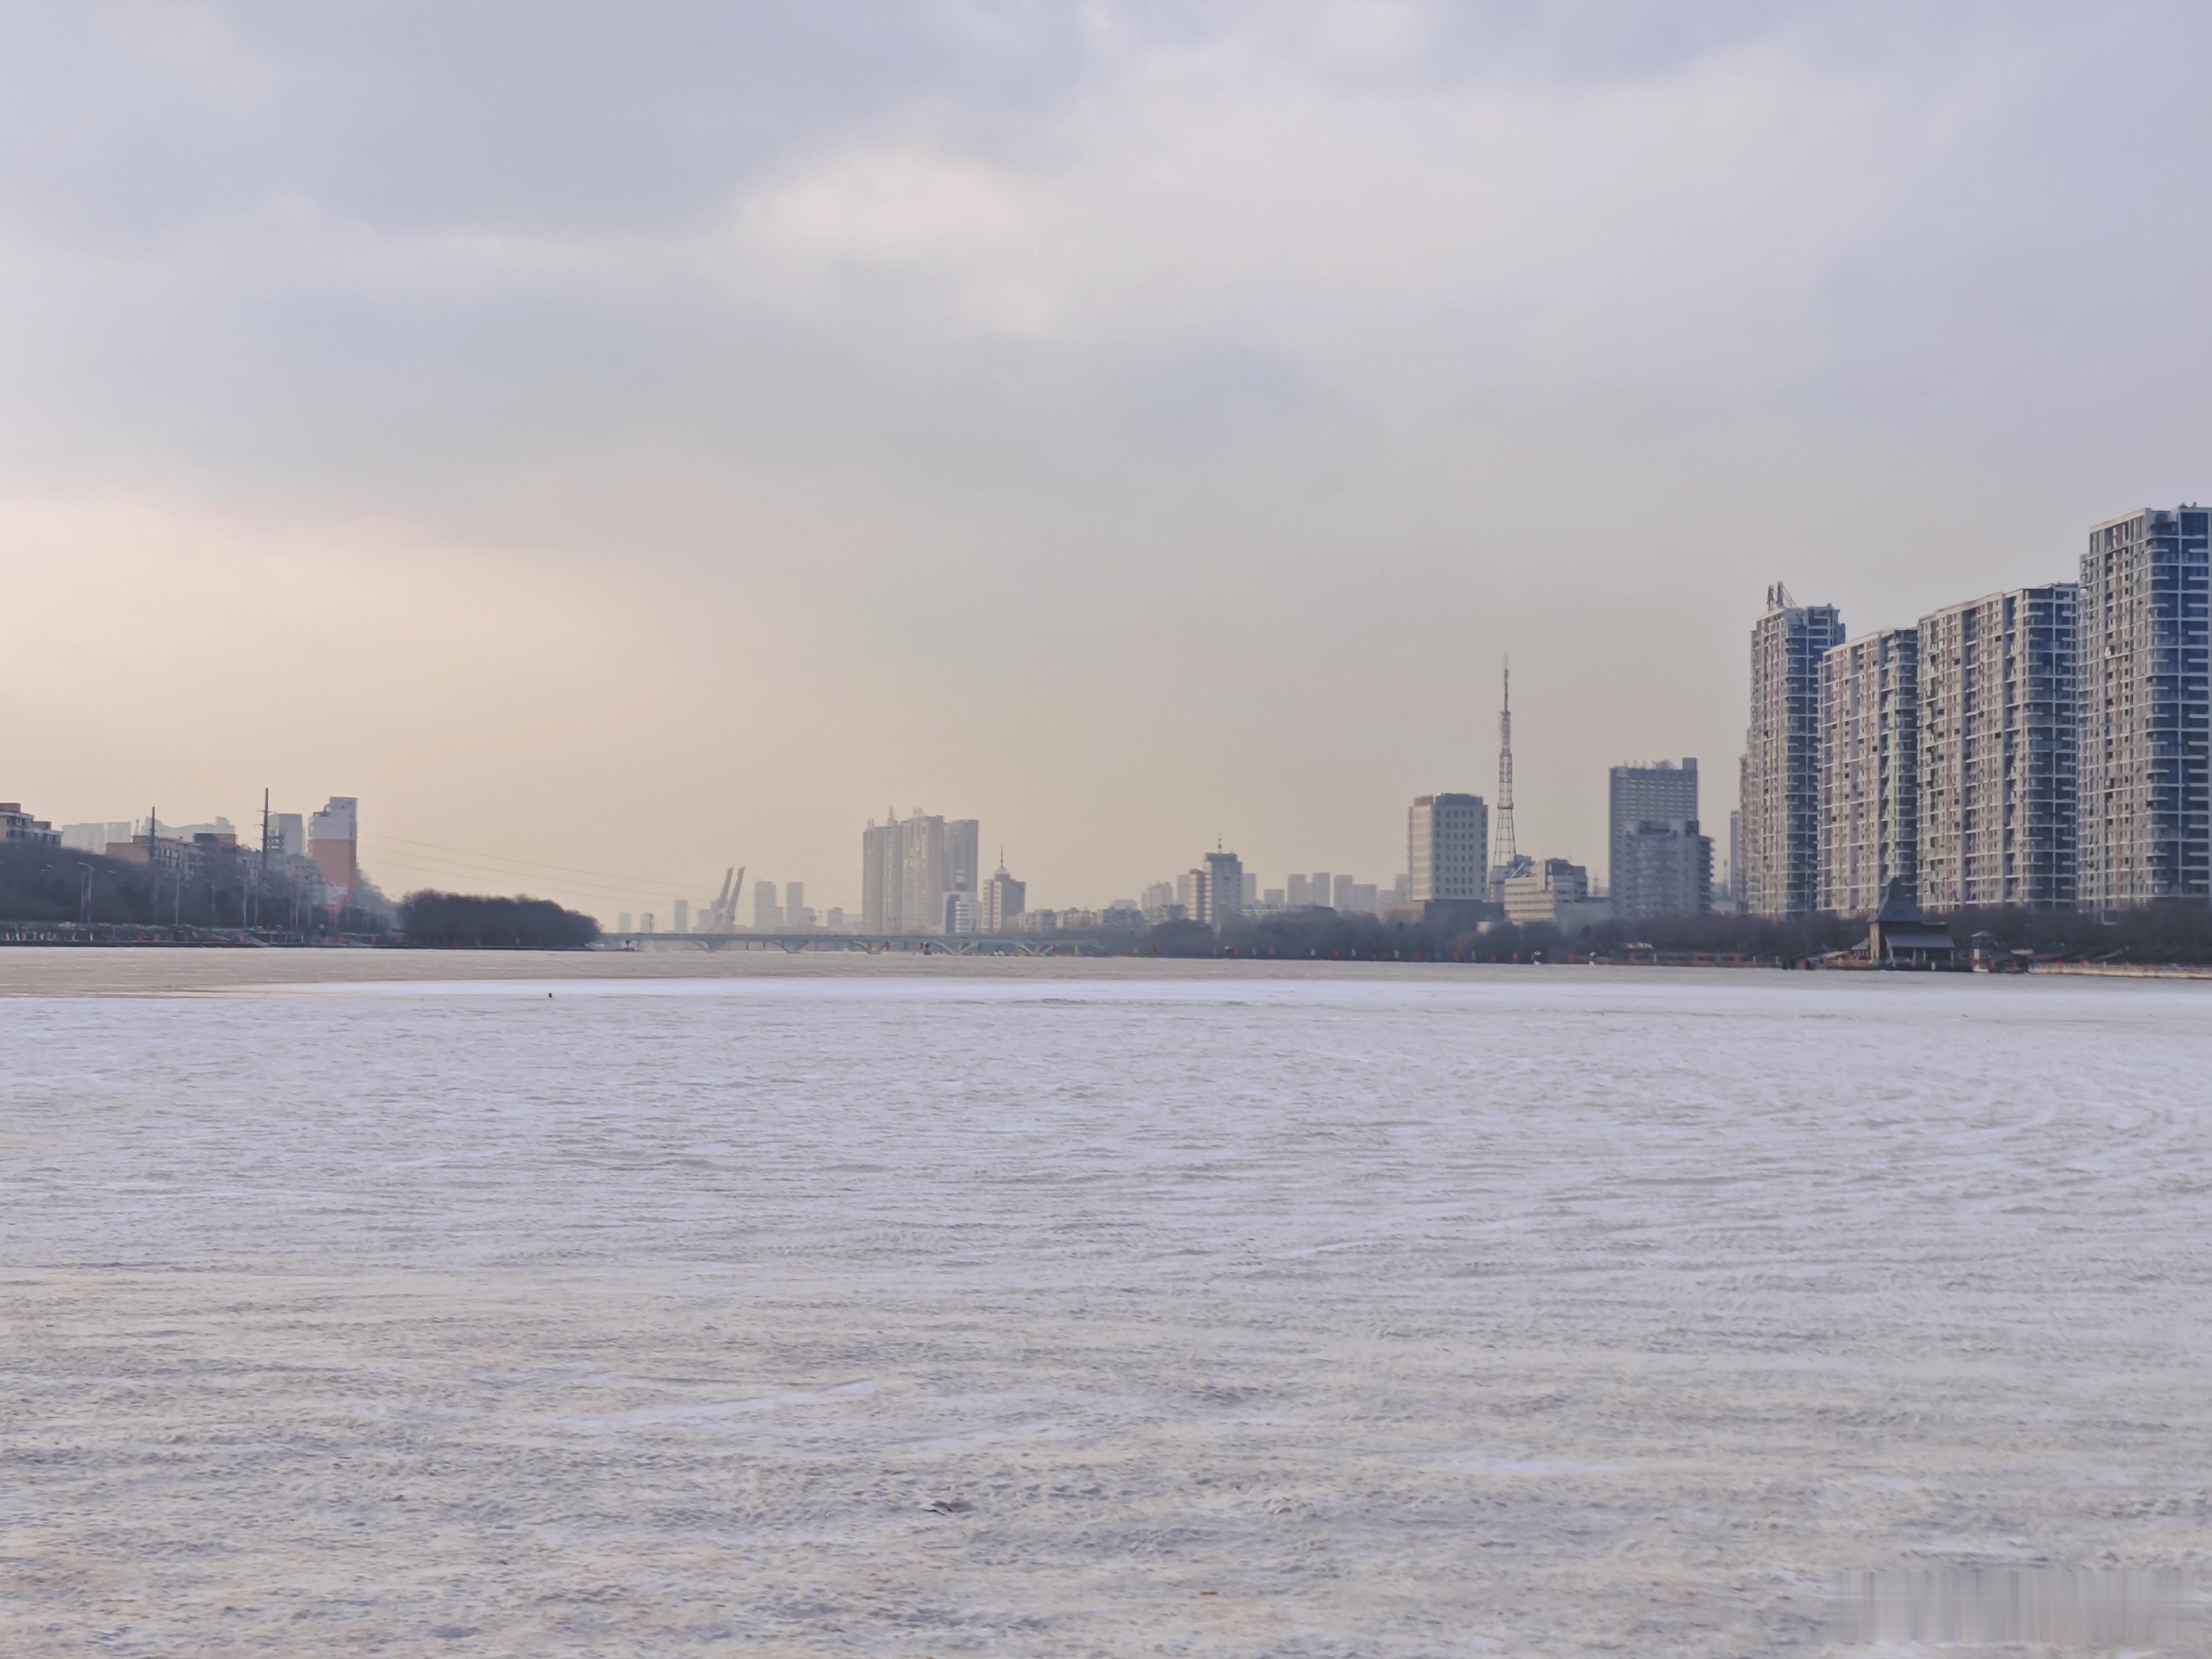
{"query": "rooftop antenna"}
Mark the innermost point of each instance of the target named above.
(1504, 854)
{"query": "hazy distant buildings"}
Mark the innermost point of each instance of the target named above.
(1999, 727)
(1447, 850)
(680, 918)
(768, 909)
(96, 837)
(333, 842)
(1296, 891)
(1869, 769)
(622, 923)
(909, 866)
(797, 918)
(1780, 777)
(2144, 821)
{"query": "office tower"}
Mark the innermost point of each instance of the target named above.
(1780, 776)
(1225, 889)
(1870, 770)
(2142, 816)
(683, 909)
(795, 919)
(1341, 898)
(767, 915)
(1004, 899)
(1661, 794)
(1999, 750)
(1296, 893)
(1447, 849)
(622, 923)
(333, 841)
(1323, 889)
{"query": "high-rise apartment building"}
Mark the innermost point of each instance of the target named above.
(1003, 900)
(1661, 795)
(1663, 867)
(1998, 751)
(797, 918)
(2144, 819)
(768, 914)
(682, 917)
(1870, 770)
(1341, 896)
(1447, 849)
(1296, 893)
(1780, 776)
(881, 907)
(963, 856)
(1221, 895)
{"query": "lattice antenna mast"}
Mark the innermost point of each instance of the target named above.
(1504, 853)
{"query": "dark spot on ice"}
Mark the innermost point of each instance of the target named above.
(952, 1506)
(452, 1633)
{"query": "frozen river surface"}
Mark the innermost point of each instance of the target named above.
(935, 1310)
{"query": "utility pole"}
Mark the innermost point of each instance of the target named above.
(262, 886)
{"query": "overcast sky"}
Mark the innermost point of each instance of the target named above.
(648, 437)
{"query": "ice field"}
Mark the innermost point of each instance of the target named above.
(833, 1306)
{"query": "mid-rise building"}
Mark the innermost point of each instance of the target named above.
(20, 829)
(1658, 879)
(1780, 777)
(1553, 894)
(1870, 770)
(2144, 819)
(1004, 899)
(1999, 746)
(1447, 850)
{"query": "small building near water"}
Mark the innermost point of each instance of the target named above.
(1900, 937)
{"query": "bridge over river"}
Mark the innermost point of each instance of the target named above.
(934, 945)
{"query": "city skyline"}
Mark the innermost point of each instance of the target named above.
(1139, 430)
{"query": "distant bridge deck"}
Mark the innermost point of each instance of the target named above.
(931, 945)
